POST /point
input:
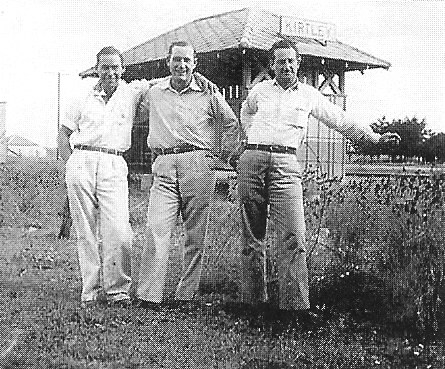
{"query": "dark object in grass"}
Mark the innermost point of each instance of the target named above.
(148, 305)
(67, 221)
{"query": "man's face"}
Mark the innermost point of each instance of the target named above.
(182, 63)
(285, 65)
(110, 70)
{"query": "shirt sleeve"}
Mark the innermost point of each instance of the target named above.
(229, 123)
(248, 108)
(143, 84)
(143, 108)
(72, 115)
(336, 118)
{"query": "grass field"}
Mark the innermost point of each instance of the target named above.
(376, 275)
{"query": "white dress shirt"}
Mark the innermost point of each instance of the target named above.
(272, 115)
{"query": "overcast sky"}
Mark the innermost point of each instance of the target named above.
(39, 38)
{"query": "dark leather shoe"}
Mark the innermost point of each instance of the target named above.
(88, 304)
(303, 318)
(124, 303)
(183, 305)
(148, 305)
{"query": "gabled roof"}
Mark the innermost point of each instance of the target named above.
(20, 141)
(258, 27)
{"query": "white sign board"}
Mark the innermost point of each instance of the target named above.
(290, 26)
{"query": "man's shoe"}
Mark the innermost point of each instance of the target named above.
(184, 305)
(303, 318)
(307, 318)
(88, 304)
(123, 303)
(149, 305)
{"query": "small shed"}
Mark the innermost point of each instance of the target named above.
(21, 146)
(232, 51)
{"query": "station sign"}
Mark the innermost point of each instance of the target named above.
(291, 26)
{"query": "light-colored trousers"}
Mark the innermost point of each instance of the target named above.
(182, 184)
(273, 179)
(98, 197)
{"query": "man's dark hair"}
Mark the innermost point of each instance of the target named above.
(180, 43)
(282, 44)
(109, 50)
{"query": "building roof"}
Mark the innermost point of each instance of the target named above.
(257, 28)
(251, 28)
(15, 140)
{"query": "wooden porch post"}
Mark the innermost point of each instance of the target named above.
(341, 81)
(341, 85)
(246, 73)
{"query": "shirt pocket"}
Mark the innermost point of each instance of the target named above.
(122, 117)
(301, 117)
(123, 114)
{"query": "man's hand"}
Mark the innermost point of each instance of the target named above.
(389, 139)
(154, 81)
(204, 83)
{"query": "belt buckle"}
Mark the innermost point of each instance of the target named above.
(271, 148)
(175, 150)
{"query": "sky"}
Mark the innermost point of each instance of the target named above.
(41, 38)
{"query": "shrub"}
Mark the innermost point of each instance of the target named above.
(386, 245)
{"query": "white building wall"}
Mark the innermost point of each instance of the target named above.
(29, 151)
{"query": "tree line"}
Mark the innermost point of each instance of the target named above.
(418, 142)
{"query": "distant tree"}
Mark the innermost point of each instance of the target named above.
(413, 134)
(434, 148)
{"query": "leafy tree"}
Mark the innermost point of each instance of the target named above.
(434, 148)
(413, 133)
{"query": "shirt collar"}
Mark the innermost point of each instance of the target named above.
(166, 85)
(293, 87)
(99, 91)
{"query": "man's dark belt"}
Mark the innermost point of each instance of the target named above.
(101, 149)
(176, 150)
(272, 148)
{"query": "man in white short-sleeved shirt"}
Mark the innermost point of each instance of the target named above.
(96, 177)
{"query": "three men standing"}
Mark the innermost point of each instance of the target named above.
(185, 118)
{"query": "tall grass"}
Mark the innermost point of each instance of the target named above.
(375, 246)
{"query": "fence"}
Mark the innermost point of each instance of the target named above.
(324, 148)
